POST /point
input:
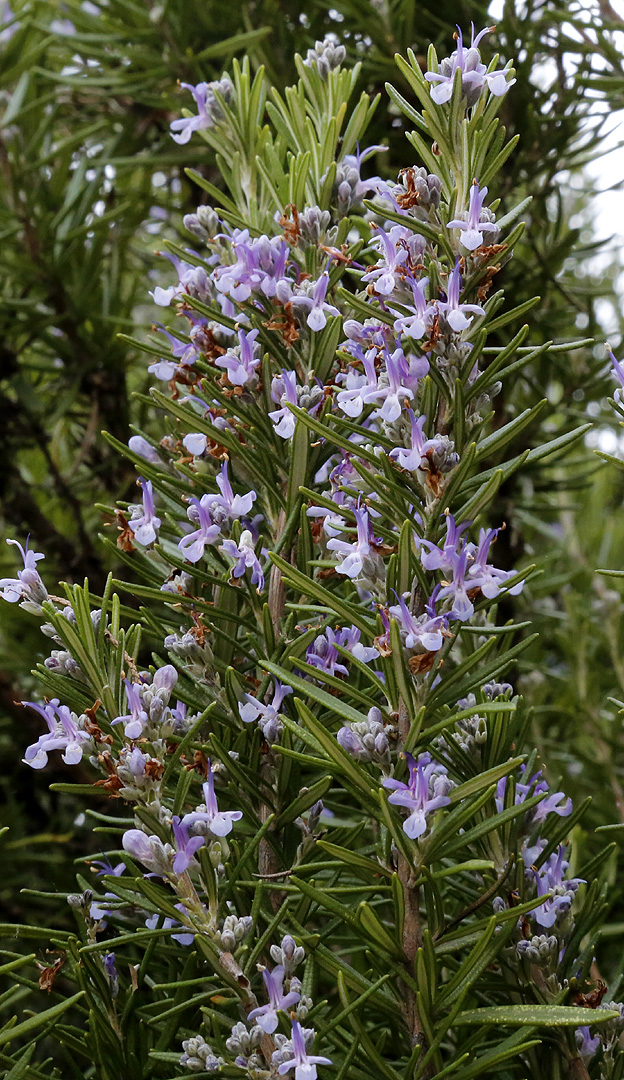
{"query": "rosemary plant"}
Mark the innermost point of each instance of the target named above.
(330, 848)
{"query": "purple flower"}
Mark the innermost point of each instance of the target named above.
(586, 1046)
(303, 1064)
(352, 555)
(63, 734)
(208, 109)
(246, 558)
(136, 720)
(426, 791)
(186, 938)
(324, 655)
(391, 266)
(283, 391)
(467, 567)
(186, 846)
(474, 74)
(217, 822)
(425, 632)
(359, 389)
(454, 312)
(536, 785)
(195, 443)
(260, 267)
(395, 392)
(463, 606)
(315, 303)
(416, 325)
(27, 588)
(111, 973)
(186, 353)
(241, 363)
(435, 558)
(193, 545)
(226, 505)
(266, 715)
(412, 457)
(550, 879)
(148, 850)
(106, 867)
(192, 280)
(473, 228)
(266, 1015)
(488, 578)
(145, 524)
(140, 446)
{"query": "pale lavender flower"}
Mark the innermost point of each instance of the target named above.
(413, 456)
(186, 938)
(359, 388)
(184, 353)
(144, 522)
(352, 555)
(303, 1063)
(245, 558)
(267, 715)
(240, 364)
(426, 631)
(226, 505)
(217, 822)
(266, 1015)
(324, 655)
(148, 850)
(391, 266)
(416, 325)
(140, 446)
(315, 303)
(463, 606)
(435, 558)
(27, 588)
(283, 391)
(536, 785)
(333, 523)
(394, 392)
(426, 792)
(63, 734)
(490, 580)
(473, 227)
(192, 280)
(8, 22)
(193, 545)
(186, 846)
(260, 267)
(474, 74)
(137, 719)
(585, 1045)
(209, 110)
(550, 879)
(195, 443)
(453, 311)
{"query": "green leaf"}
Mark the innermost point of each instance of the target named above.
(27, 1027)
(537, 1016)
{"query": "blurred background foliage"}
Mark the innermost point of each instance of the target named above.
(91, 179)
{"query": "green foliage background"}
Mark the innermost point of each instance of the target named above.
(91, 181)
